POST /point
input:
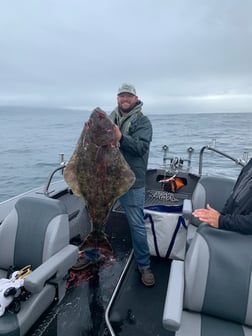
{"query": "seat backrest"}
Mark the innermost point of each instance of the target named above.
(218, 275)
(213, 190)
(34, 230)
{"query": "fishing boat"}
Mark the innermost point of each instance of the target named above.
(44, 227)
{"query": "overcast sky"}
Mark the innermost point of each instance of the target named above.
(182, 55)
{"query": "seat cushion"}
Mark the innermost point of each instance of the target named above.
(30, 311)
(218, 272)
(34, 230)
(213, 190)
(194, 324)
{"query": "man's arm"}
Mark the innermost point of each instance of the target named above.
(238, 223)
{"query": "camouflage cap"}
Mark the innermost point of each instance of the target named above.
(127, 88)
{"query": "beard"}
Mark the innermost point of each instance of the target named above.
(126, 110)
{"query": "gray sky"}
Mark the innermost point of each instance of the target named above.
(182, 55)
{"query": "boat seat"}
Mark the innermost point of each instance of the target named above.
(210, 293)
(213, 190)
(36, 233)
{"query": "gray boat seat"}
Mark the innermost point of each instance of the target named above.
(210, 293)
(36, 233)
(213, 190)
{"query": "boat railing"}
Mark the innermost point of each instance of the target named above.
(50, 177)
(176, 163)
(242, 162)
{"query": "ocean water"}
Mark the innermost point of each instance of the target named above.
(33, 138)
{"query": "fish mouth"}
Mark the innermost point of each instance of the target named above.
(96, 239)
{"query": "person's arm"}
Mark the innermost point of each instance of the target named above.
(137, 141)
(238, 223)
(118, 133)
(208, 215)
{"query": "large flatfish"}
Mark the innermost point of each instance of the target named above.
(98, 172)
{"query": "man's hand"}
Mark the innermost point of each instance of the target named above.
(118, 133)
(208, 215)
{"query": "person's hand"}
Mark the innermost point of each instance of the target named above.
(118, 133)
(208, 215)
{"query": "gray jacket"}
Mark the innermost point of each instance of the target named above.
(135, 142)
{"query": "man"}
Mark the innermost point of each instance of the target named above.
(134, 132)
(237, 212)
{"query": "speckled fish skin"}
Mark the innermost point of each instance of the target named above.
(98, 172)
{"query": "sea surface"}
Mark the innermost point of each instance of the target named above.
(32, 140)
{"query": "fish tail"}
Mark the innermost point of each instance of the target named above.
(96, 239)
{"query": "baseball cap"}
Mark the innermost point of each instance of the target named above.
(127, 88)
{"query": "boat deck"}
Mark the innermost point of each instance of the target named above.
(135, 309)
(82, 310)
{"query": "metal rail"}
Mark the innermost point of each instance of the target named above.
(241, 162)
(49, 180)
(176, 163)
(107, 319)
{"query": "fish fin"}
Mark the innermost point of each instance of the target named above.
(96, 239)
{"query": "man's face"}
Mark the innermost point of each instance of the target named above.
(126, 101)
